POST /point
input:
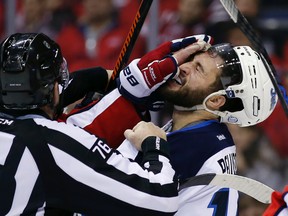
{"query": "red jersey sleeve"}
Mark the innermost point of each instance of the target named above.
(107, 118)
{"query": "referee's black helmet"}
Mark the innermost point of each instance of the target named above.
(30, 63)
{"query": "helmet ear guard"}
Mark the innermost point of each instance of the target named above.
(30, 65)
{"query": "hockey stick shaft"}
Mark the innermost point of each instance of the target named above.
(256, 42)
(131, 37)
(251, 187)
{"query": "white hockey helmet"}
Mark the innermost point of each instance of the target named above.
(246, 82)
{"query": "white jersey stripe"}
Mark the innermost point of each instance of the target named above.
(103, 183)
(6, 143)
(24, 186)
(80, 136)
(117, 161)
(83, 119)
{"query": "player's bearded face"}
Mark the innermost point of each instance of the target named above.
(197, 79)
(185, 97)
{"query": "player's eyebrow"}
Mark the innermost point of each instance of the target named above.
(191, 57)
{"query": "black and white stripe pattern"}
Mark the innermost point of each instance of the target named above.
(48, 164)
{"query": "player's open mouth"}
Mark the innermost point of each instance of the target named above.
(177, 80)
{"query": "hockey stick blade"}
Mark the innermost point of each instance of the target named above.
(256, 42)
(131, 37)
(251, 187)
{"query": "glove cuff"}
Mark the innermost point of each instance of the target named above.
(126, 94)
(134, 82)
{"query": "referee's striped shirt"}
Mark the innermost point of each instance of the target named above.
(48, 167)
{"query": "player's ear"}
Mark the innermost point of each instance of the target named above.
(215, 102)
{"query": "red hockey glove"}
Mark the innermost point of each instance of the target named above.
(169, 47)
(142, 77)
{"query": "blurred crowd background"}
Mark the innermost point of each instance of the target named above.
(92, 33)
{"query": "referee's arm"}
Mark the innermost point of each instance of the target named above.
(81, 173)
(149, 188)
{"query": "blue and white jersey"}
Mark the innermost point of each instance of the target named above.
(206, 147)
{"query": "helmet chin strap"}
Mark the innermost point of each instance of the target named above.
(203, 105)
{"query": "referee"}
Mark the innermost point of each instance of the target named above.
(52, 168)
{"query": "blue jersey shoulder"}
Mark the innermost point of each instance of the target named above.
(193, 145)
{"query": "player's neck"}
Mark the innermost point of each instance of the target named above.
(184, 118)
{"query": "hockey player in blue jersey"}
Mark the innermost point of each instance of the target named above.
(223, 84)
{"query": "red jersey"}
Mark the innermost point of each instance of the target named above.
(98, 118)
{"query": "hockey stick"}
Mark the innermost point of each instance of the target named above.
(125, 50)
(256, 42)
(131, 37)
(251, 187)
